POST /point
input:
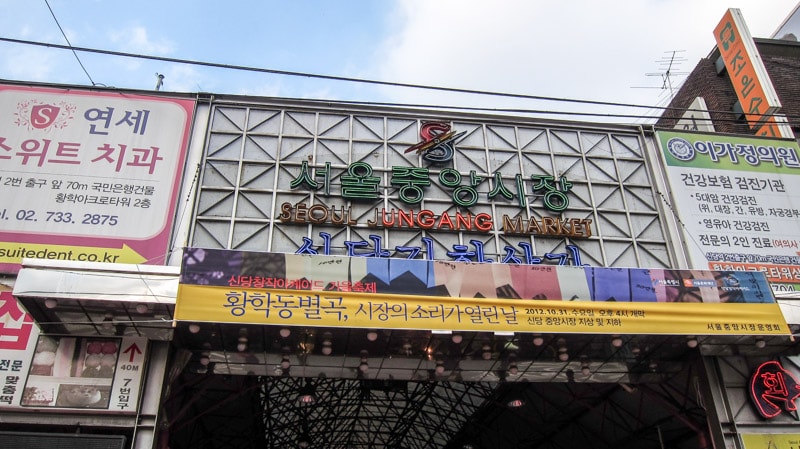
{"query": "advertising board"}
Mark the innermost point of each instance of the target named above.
(88, 176)
(314, 290)
(745, 68)
(738, 203)
(57, 372)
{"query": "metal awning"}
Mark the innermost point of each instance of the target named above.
(83, 298)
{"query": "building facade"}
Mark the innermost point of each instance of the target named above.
(721, 108)
(223, 271)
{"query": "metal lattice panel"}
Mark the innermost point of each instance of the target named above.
(244, 412)
(368, 414)
(254, 152)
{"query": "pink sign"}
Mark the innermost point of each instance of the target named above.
(18, 335)
(88, 176)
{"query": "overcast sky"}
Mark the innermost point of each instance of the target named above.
(610, 51)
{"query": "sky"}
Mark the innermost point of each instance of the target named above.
(595, 50)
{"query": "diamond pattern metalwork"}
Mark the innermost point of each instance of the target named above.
(255, 151)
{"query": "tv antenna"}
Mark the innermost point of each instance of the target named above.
(668, 66)
(667, 63)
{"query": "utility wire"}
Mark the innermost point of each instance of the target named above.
(69, 43)
(792, 120)
(733, 119)
(330, 77)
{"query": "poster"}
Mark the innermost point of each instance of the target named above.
(85, 373)
(43, 371)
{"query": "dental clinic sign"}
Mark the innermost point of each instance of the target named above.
(88, 175)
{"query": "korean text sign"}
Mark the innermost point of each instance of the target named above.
(737, 198)
(745, 68)
(88, 176)
(295, 289)
(18, 335)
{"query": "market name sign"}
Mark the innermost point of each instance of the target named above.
(360, 184)
(301, 213)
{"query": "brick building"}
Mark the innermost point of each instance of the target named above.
(709, 80)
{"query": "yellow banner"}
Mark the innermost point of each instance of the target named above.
(771, 441)
(375, 310)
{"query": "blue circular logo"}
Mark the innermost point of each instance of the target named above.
(681, 149)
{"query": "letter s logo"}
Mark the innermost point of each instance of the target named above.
(44, 115)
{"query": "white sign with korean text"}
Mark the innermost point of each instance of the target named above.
(738, 200)
(88, 176)
(128, 375)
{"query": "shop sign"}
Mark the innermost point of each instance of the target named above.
(773, 390)
(474, 252)
(745, 68)
(16, 326)
(42, 371)
(359, 183)
(425, 219)
(88, 373)
(18, 336)
(88, 175)
(736, 198)
(770, 440)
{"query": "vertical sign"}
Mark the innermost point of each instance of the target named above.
(18, 335)
(88, 176)
(128, 378)
(745, 68)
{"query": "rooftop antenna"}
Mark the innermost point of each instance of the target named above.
(159, 80)
(667, 65)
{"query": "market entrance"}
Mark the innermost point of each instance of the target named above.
(485, 391)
